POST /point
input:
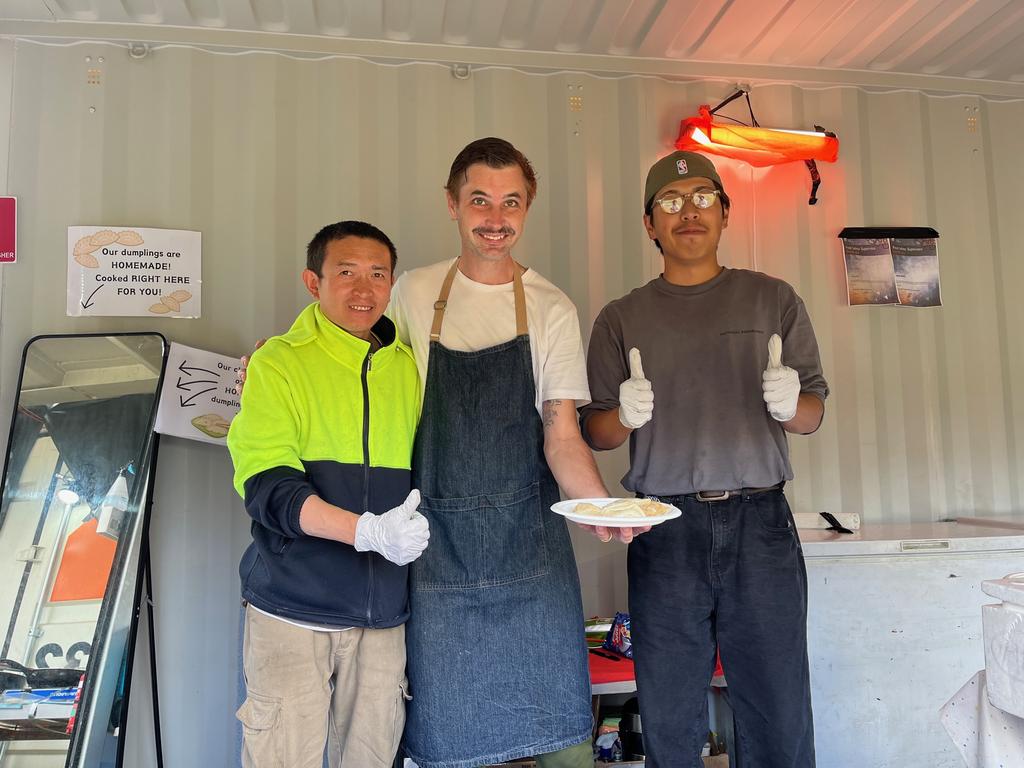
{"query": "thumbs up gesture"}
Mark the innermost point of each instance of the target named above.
(400, 534)
(636, 398)
(781, 384)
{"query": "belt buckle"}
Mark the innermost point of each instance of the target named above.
(713, 495)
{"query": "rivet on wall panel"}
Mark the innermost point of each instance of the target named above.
(461, 71)
(138, 50)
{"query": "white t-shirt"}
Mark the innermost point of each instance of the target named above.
(479, 316)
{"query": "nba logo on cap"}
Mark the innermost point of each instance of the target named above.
(681, 166)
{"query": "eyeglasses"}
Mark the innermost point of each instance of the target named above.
(674, 203)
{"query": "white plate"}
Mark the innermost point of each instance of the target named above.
(566, 508)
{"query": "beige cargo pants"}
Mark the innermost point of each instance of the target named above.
(306, 689)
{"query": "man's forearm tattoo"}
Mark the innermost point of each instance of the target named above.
(549, 412)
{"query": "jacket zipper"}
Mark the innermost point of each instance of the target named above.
(367, 365)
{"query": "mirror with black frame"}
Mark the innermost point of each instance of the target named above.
(75, 485)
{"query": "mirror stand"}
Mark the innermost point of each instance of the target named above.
(74, 513)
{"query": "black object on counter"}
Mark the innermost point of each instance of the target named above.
(630, 731)
(834, 524)
(15, 676)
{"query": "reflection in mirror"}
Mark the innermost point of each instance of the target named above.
(75, 479)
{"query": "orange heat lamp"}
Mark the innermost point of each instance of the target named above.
(756, 145)
(753, 144)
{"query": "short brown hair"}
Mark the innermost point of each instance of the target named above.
(494, 153)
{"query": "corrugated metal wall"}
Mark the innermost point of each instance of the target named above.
(258, 151)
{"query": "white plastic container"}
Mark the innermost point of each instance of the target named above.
(1003, 631)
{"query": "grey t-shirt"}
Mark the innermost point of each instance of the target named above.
(704, 349)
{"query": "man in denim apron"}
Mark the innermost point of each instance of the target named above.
(496, 655)
(712, 440)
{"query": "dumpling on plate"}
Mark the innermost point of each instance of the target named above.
(652, 508)
(623, 508)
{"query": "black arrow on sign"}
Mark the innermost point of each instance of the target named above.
(88, 302)
(187, 402)
(185, 385)
(185, 369)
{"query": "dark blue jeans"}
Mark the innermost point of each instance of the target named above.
(729, 573)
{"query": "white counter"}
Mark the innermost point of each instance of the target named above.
(912, 538)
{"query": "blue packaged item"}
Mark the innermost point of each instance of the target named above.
(618, 639)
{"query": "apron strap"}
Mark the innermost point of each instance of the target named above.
(446, 289)
(442, 302)
(520, 295)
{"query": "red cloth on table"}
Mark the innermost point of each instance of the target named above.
(605, 670)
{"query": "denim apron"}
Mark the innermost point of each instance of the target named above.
(496, 655)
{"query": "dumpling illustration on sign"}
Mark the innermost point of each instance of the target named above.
(129, 237)
(212, 424)
(84, 247)
(103, 237)
(171, 302)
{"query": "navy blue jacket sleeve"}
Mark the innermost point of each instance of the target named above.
(274, 498)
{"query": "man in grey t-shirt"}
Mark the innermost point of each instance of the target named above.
(705, 369)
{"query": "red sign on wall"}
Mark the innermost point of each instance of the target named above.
(8, 230)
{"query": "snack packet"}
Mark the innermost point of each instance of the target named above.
(618, 639)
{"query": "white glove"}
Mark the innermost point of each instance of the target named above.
(636, 398)
(400, 534)
(781, 384)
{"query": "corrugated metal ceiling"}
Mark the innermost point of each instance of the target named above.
(980, 41)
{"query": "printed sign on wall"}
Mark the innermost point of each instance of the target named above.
(198, 399)
(116, 271)
(8, 230)
(892, 271)
(892, 265)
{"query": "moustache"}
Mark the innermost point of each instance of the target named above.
(508, 231)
